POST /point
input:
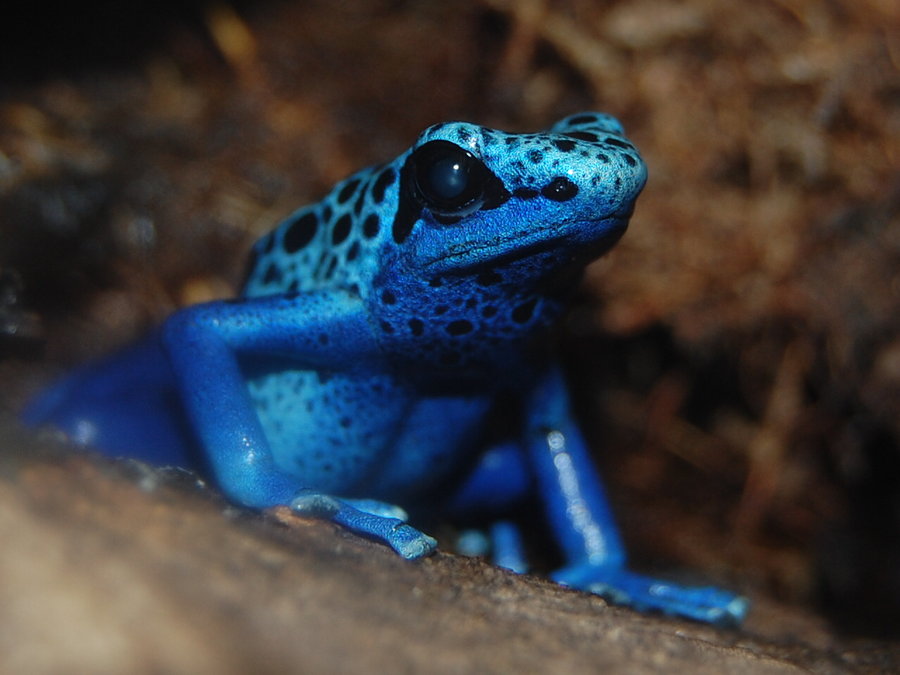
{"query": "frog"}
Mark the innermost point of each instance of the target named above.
(390, 358)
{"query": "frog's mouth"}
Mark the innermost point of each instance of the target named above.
(470, 257)
(464, 259)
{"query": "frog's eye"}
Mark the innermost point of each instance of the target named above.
(448, 180)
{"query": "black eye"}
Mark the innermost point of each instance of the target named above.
(448, 180)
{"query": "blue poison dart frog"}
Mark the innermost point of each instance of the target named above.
(389, 355)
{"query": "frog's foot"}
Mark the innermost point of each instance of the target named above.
(621, 587)
(503, 544)
(367, 517)
(508, 549)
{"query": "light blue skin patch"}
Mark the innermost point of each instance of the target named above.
(391, 347)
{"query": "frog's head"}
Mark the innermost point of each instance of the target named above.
(490, 228)
(473, 198)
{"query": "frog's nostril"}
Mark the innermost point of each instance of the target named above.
(560, 189)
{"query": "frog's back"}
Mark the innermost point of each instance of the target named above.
(328, 244)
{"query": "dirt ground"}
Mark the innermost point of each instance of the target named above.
(736, 358)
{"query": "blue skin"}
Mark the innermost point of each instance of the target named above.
(391, 347)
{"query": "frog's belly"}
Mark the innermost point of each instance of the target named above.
(365, 437)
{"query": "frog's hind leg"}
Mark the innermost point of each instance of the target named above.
(125, 405)
(499, 481)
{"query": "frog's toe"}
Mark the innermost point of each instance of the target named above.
(410, 543)
(621, 587)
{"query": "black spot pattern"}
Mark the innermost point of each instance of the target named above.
(583, 136)
(560, 189)
(371, 226)
(578, 120)
(341, 229)
(347, 191)
(382, 183)
(416, 326)
(460, 327)
(332, 266)
(353, 251)
(525, 193)
(272, 275)
(465, 137)
(619, 144)
(360, 202)
(523, 312)
(300, 232)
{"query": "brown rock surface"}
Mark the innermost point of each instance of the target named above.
(110, 568)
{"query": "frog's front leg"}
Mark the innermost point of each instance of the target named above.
(325, 330)
(580, 516)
